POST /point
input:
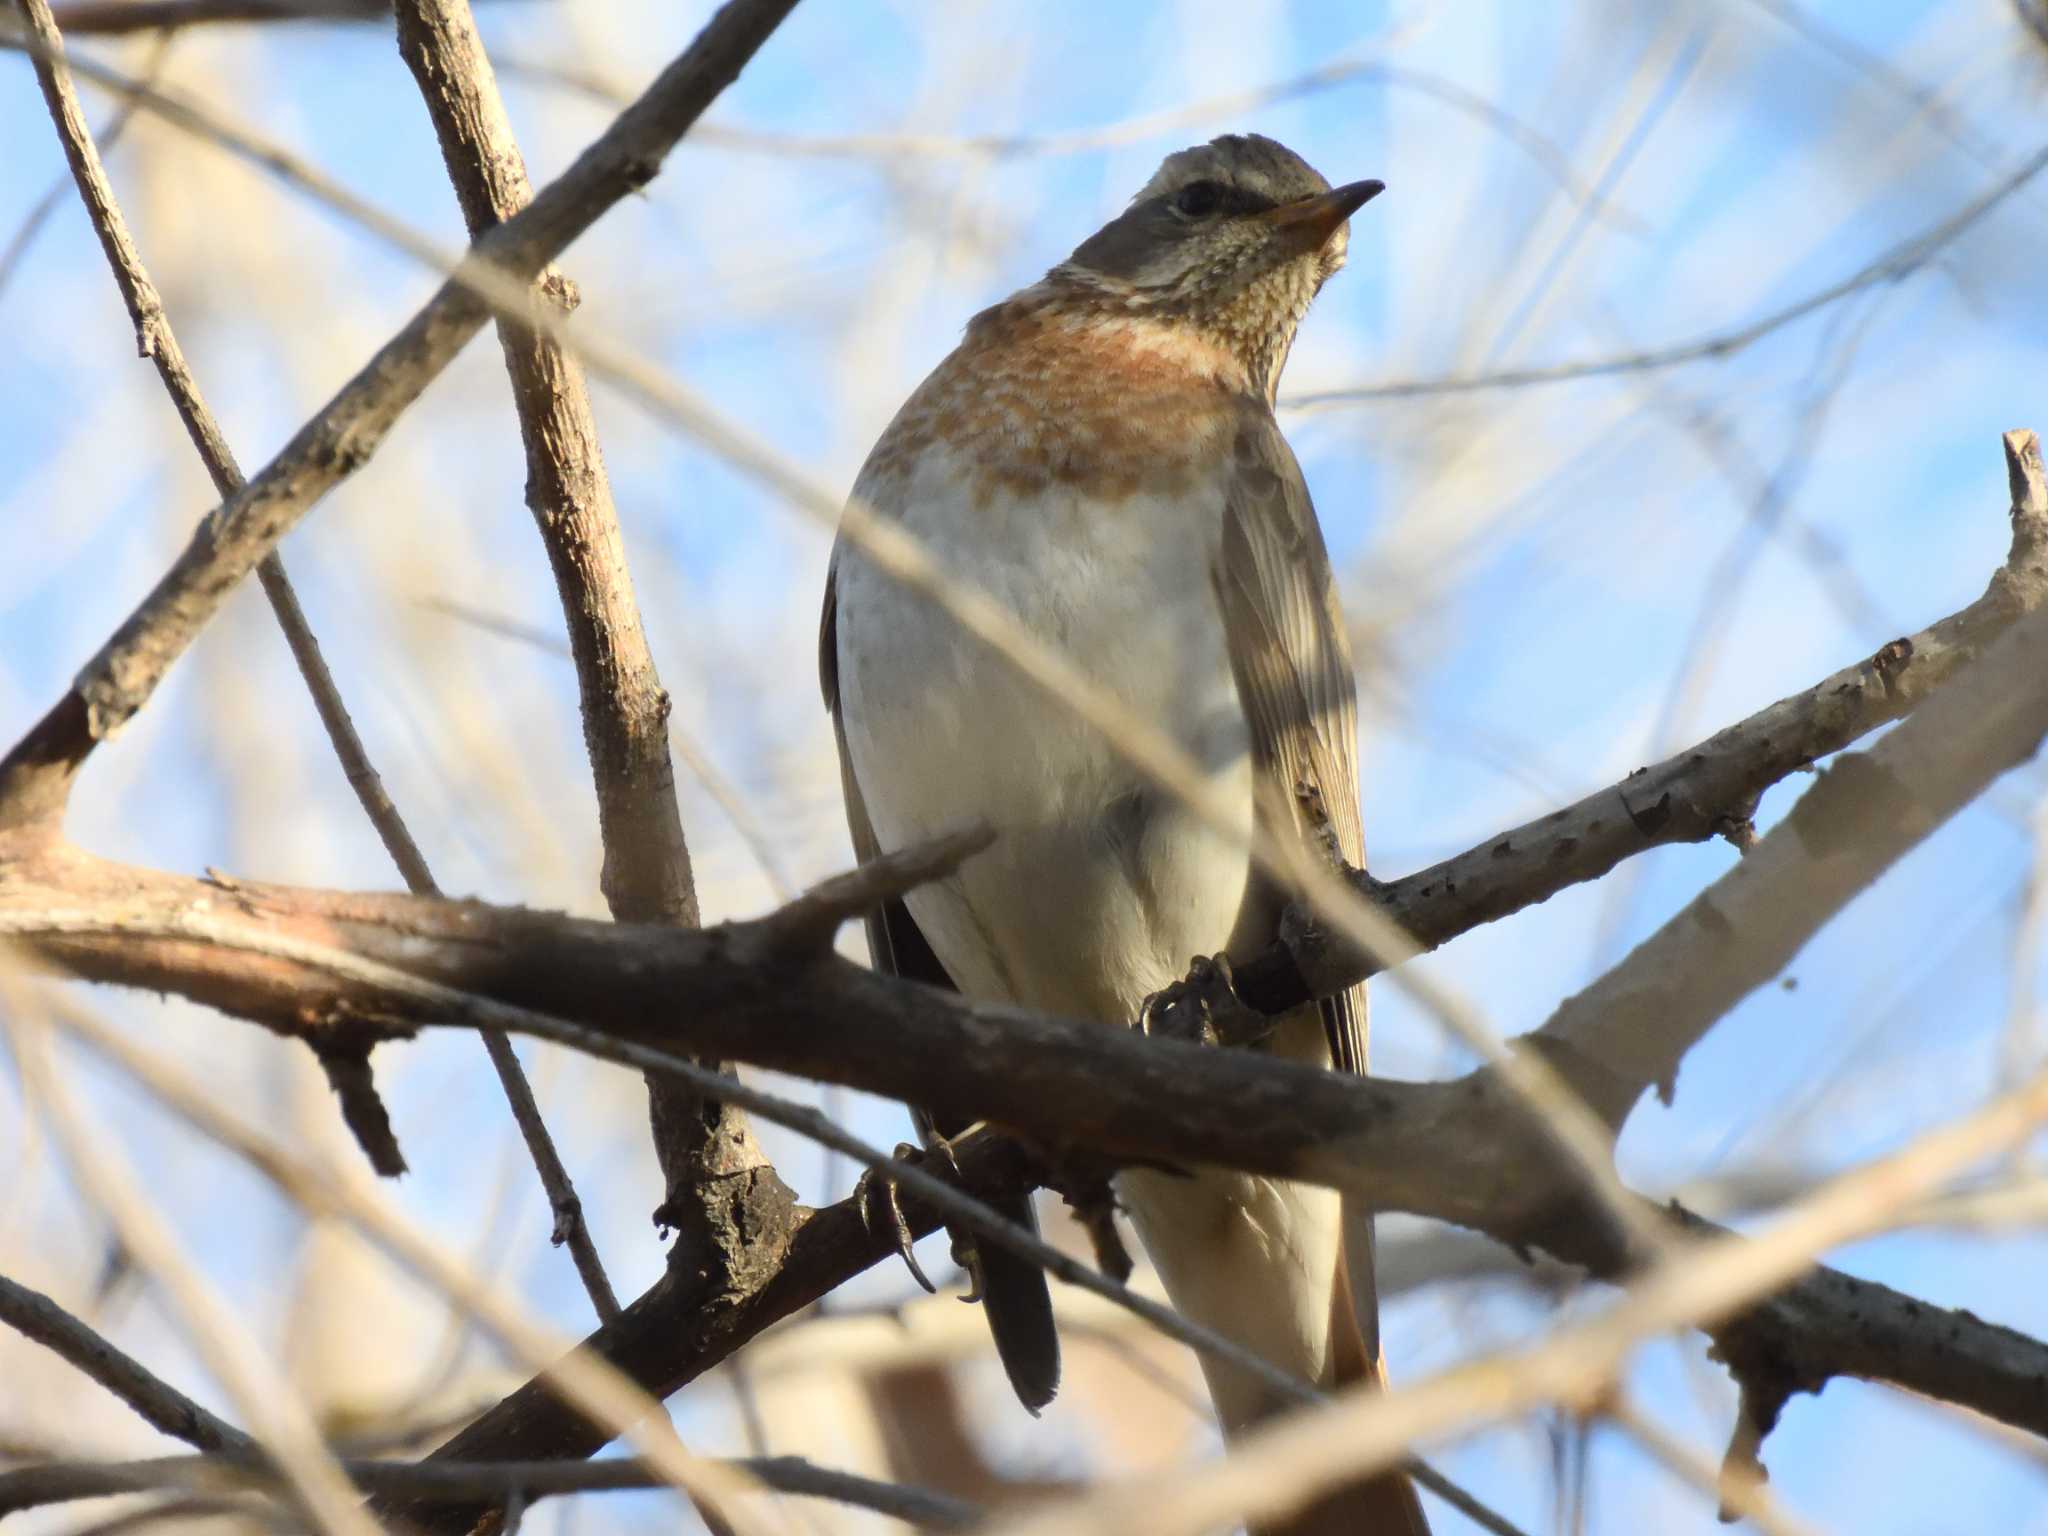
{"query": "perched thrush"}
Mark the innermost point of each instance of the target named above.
(1100, 456)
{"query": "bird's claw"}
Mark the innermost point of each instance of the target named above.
(877, 1188)
(965, 1253)
(1194, 1008)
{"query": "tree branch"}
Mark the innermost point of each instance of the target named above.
(1909, 255)
(718, 1183)
(42, 1321)
(36, 775)
(349, 1074)
(84, 18)
(439, 1483)
(361, 1106)
(1710, 789)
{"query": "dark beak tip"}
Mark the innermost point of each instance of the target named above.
(1359, 193)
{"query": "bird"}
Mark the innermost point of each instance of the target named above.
(1100, 456)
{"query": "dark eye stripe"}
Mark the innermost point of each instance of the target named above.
(1206, 198)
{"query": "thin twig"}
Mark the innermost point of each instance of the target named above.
(159, 342)
(108, 137)
(457, 1481)
(1297, 1457)
(221, 1339)
(594, 1386)
(1898, 261)
(36, 774)
(42, 1321)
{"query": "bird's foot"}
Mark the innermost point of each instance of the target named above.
(880, 1202)
(1083, 1179)
(1202, 1008)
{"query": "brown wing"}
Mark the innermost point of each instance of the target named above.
(1014, 1291)
(1293, 669)
(1292, 663)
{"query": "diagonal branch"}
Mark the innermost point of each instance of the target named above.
(36, 775)
(1710, 789)
(710, 1161)
(155, 340)
(40, 1320)
(350, 1075)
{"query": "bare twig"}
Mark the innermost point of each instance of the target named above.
(362, 1108)
(114, 17)
(36, 775)
(709, 1159)
(439, 1483)
(220, 1338)
(154, 339)
(47, 204)
(1900, 260)
(40, 1320)
(1277, 1468)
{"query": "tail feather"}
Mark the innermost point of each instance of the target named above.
(1385, 1504)
(1264, 1261)
(1019, 1307)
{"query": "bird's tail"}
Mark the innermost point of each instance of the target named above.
(1385, 1504)
(1019, 1307)
(1263, 1261)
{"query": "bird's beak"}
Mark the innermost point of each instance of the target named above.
(1308, 224)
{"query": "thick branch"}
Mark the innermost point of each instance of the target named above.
(36, 775)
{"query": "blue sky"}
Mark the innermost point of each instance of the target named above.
(1550, 586)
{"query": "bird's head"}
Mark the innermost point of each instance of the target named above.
(1233, 237)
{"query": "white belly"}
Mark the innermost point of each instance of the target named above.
(1099, 889)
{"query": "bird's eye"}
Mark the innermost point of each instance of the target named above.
(1198, 199)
